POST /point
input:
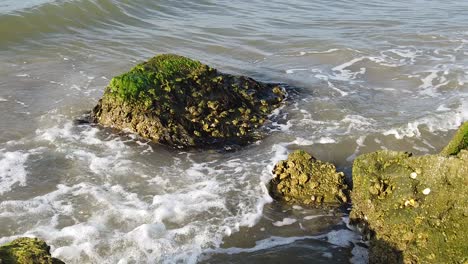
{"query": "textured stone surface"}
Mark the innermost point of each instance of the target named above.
(180, 102)
(458, 142)
(27, 251)
(414, 209)
(302, 179)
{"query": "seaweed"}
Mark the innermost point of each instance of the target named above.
(181, 102)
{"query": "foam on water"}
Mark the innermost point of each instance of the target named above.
(343, 237)
(97, 216)
(285, 221)
(98, 197)
(12, 169)
(344, 74)
(311, 217)
(439, 121)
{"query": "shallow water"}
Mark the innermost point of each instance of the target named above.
(361, 76)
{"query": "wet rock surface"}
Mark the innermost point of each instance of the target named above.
(27, 251)
(181, 102)
(302, 179)
(413, 209)
(458, 142)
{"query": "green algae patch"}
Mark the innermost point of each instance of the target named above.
(302, 179)
(181, 102)
(413, 209)
(27, 251)
(458, 142)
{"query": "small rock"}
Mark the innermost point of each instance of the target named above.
(302, 179)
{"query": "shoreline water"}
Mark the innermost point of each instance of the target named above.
(393, 77)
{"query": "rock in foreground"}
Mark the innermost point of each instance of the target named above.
(27, 251)
(180, 102)
(413, 208)
(302, 179)
(458, 142)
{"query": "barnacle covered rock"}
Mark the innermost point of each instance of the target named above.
(302, 179)
(27, 251)
(181, 102)
(413, 209)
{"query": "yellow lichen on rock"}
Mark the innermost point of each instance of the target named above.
(422, 220)
(27, 251)
(181, 102)
(302, 179)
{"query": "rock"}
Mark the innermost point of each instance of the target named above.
(181, 102)
(413, 209)
(458, 142)
(301, 179)
(27, 251)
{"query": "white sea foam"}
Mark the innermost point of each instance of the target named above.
(434, 122)
(302, 53)
(359, 144)
(285, 221)
(307, 142)
(291, 71)
(171, 226)
(267, 243)
(358, 123)
(343, 237)
(116, 218)
(12, 169)
(344, 74)
(21, 103)
(23, 75)
(311, 217)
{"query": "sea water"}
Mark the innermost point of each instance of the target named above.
(361, 76)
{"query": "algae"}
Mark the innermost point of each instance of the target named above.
(305, 180)
(458, 142)
(181, 102)
(27, 251)
(418, 205)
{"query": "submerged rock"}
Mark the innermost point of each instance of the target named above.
(458, 142)
(27, 251)
(414, 209)
(181, 102)
(302, 179)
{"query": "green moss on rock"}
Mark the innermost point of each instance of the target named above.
(27, 251)
(183, 103)
(302, 179)
(458, 142)
(414, 206)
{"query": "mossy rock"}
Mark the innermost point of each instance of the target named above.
(302, 179)
(181, 102)
(458, 142)
(414, 209)
(27, 251)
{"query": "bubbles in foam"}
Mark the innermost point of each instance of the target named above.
(434, 122)
(342, 237)
(285, 221)
(12, 169)
(344, 74)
